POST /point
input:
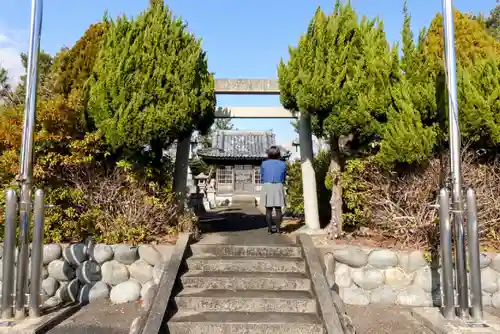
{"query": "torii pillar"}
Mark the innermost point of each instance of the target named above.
(309, 190)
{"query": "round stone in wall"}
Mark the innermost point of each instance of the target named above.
(141, 271)
(101, 253)
(89, 272)
(51, 252)
(50, 286)
(125, 292)
(126, 254)
(52, 302)
(495, 262)
(495, 299)
(114, 272)
(383, 258)
(89, 293)
(61, 270)
(355, 296)
(75, 254)
(414, 296)
(68, 292)
(352, 256)
(368, 278)
(149, 254)
(411, 261)
(145, 288)
(398, 278)
(484, 260)
(489, 279)
(427, 279)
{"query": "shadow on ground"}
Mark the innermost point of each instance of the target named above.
(244, 225)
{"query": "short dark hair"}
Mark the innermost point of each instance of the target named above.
(273, 152)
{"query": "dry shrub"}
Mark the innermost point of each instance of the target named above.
(402, 206)
(126, 210)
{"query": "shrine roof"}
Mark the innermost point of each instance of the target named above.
(238, 144)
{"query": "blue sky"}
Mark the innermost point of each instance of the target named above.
(242, 38)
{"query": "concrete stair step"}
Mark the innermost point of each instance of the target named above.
(203, 300)
(246, 264)
(246, 280)
(190, 322)
(246, 250)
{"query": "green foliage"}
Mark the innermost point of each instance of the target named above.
(72, 67)
(355, 194)
(471, 39)
(151, 83)
(479, 96)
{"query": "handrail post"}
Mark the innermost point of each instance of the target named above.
(9, 253)
(446, 254)
(37, 254)
(474, 265)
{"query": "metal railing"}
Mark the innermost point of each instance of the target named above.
(20, 209)
(462, 310)
(11, 299)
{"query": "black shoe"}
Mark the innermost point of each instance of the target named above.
(269, 231)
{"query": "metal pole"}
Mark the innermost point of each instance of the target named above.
(9, 253)
(446, 254)
(37, 254)
(27, 156)
(475, 268)
(456, 191)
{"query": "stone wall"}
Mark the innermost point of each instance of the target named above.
(84, 273)
(382, 276)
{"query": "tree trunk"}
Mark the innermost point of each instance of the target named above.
(335, 172)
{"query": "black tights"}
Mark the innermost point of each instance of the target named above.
(269, 218)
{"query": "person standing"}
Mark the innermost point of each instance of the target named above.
(273, 174)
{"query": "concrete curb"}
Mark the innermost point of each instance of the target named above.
(320, 287)
(153, 320)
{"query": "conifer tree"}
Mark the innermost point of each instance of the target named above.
(472, 41)
(340, 73)
(150, 84)
(72, 67)
(406, 138)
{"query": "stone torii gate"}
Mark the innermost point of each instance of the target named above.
(261, 87)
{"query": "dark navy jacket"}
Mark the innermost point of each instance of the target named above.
(273, 171)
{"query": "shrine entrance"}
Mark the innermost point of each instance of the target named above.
(244, 179)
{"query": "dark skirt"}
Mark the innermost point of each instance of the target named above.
(272, 195)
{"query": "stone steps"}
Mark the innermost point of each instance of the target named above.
(246, 250)
(207, 300)
(234, 280)
(189, 322)
(252, 289)
(247, 264)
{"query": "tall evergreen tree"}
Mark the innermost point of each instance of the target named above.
(340, 73)
(150, 83)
